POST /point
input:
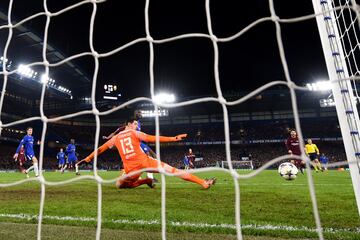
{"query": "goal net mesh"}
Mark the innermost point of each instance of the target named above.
(352, 50)
(348, 25)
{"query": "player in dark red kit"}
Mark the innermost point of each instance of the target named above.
(119, 129)
(293, 147)
(191, 158)
(21, 159)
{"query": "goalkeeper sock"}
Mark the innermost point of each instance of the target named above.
(36, 169)
(192, 178)
(187, 176)
(76, 168)
(184, 175)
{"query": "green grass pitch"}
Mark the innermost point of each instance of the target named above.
(271, 207)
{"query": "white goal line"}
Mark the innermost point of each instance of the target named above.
(29, 217)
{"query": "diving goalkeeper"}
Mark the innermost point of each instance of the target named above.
(127, 143)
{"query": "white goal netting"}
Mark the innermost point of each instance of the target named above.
(230, 165)
(348, 25)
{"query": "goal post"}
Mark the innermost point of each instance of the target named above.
(245, 165)
(337, 68)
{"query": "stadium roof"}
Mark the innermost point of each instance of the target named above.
(53, 54)
(28, 46)
(186, 65)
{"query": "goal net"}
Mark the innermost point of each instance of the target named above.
(338, 24)
(341, 49)
(245, 165)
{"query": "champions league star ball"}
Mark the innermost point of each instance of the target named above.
(288, 171)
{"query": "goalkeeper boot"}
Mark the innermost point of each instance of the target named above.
(152, 184)
(210, 182)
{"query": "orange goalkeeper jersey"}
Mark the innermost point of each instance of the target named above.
(127, 143)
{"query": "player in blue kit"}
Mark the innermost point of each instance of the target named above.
(71, 154)
(186, 163)
(28, 143)
(61, 158)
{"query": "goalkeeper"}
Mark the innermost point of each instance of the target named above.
(127, 143)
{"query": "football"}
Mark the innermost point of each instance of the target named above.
(288, 171)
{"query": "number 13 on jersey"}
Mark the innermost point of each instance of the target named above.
(126, 145)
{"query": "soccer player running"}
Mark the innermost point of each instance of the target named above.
(71, 154)
(21, 158)
(191, 158)
(293, 147)
(186, 162)
(312, 151)
(324, 160)
(128, 142)
(28, 143)
(61, 158)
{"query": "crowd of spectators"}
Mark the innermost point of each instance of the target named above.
(210, 155)
(209, 132)
(259, 141)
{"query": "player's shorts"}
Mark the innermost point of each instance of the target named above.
(29, 156)
(297, 162)
(22, 159)
(143, 162)
(62, 162)
(145, 147)
(312, 156)
(72, 159)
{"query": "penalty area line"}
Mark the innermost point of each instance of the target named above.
(29, 217)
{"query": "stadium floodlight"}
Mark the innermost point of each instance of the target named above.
(44, 78)
(25, 71)
(327, 102)
(22, 69)
(34, 75)
(153, 113)
(320, 86)
(164, 98)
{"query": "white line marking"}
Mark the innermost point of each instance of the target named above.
(286, 183)
(29, 217)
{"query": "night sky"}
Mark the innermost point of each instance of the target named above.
(183, 66)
